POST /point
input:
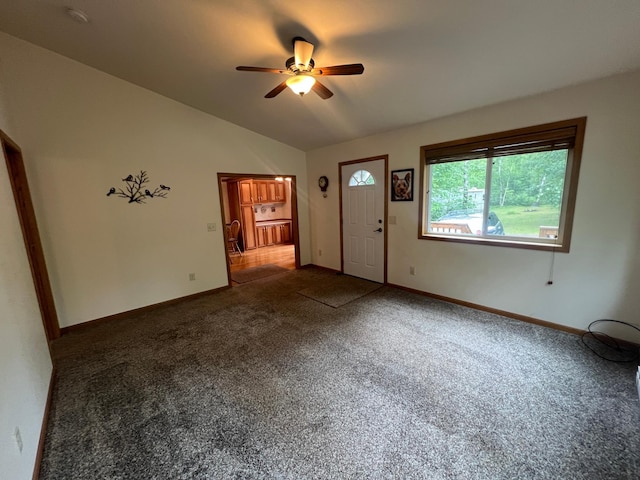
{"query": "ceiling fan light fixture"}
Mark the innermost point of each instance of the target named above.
(301, 84)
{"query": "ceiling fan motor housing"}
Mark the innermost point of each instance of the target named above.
(292, 67)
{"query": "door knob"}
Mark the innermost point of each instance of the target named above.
(378, 230)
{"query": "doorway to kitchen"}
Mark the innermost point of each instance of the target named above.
(260, 214)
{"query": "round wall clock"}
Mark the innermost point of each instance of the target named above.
(323, 183)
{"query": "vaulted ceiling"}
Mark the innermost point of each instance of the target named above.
(423, 58)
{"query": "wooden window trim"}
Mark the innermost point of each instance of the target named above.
(538, 138)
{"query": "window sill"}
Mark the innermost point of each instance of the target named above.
(509, 242)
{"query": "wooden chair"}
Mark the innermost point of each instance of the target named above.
(232, 238)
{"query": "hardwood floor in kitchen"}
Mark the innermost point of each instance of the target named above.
(281, 255)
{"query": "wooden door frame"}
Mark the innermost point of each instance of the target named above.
(294, 209)
(31, 235)
(386, 206)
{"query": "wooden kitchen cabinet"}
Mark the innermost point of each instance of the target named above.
(280, 195)
(246, 191)
(268, 191)
(285, 229)
(234, 202)
(273, 234)
(248, 227)
(271, 191)
(262, 191)
(282, 233)
(261, 236)
(277, 234)
(266, 235)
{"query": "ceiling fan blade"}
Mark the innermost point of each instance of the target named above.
(322, 91)
(276, 90)
(302, 51)
(352, 69)
(261, 69)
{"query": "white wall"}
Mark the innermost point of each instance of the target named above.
(25, 365)
(599, 278)
(81, 132)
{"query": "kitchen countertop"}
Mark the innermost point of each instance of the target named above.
(273, 222)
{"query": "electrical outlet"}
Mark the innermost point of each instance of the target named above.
(211, 227)
(412, 270)
(192, 277)
(320, 252)
(18, 438)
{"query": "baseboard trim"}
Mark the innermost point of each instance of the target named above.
(504, 313)
(45, 424)
(136, 311)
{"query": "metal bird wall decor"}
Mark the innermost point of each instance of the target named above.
(135, 189)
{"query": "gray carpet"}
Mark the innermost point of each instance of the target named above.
(340, 290)
(259, 382)
(256, 273)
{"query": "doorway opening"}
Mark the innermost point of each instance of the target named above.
(260, 216)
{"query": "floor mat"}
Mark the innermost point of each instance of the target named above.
(255, 273)
(342, 290)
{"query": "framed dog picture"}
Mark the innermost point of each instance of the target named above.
(402, 185)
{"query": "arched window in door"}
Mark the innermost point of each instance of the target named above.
(362, 178)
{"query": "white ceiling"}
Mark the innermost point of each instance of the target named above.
(423, 58)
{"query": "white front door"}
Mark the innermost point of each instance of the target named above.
(363, 219)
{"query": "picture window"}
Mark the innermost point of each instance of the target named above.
(514, 188)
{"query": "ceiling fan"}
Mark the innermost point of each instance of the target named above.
(302, 72)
